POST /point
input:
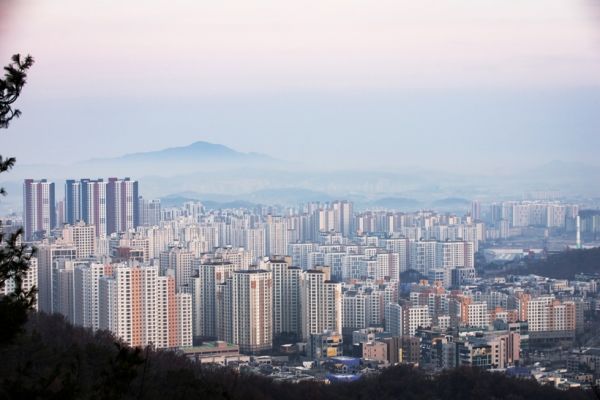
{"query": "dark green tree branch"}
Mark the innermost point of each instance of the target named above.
(15, 77)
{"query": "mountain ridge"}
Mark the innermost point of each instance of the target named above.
(199, 148)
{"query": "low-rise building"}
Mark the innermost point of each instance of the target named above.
(325, 344)
(370, 350)
(217, 348)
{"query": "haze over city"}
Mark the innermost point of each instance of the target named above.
(462, 86)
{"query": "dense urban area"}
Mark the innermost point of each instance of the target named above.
(319, 292)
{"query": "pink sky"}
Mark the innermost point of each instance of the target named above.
(156, 48)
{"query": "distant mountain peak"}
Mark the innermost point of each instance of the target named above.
(197, 149)
(197, 156)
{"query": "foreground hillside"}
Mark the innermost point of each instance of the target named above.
(564, 265)
(55, 360)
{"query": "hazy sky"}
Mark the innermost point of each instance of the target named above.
(453, 84)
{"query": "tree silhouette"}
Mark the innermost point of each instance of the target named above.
(15, 257)
(11, 86)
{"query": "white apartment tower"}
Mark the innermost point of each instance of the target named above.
(94, 205)
(150, 212)
(122, 212)
(381, 266)
(254, 241)
(344, 217)
(276, 236)
(143, 308)
(179, 261)
(354, 310)
(299, 253)
(393, 319)
(48, 254)
(82, 236)
(204, 295)
(418, 316)
(520, 215)
(240, 258)
(39, 208)
(287, 285)
(245, 312)
(478, 315)
(63, 295)
(321, 303)
(422, 256)
(449, 255)
(556, 215)
(400, 246)
(86, 280)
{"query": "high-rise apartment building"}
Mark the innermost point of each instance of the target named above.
(400, 246)
(94, 204)
(381, 266)
(276, 236)
(520, 215)
(254, 240)
(85, 200)
(72, 202)
(321, 303)
(122, 210)
(549, 314)
(354, 310)
(449, 255)
(82, 236)
(179, 261)
(300, 252)
(442, 275)
(153, 212)
(422, 255)
(143, 308)
(39, 208)
(555, 216)
(478, 315)
(150, 212)
(48, 254)
(287, 301)
(63, 296)
(418, 317)
(60, 213)
(245, 311)
(495, 213)
(393, 319)
(476, 210)
(86, 278)
(203, 287)
(344, 217)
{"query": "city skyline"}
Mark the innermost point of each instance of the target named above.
(227, 199)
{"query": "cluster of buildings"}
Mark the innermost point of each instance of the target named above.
(320, 274)
(110, 206)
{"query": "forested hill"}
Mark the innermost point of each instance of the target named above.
(564, 265)
(55, 360)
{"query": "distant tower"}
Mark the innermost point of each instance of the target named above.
(39, 207)
(578, 245)
(72, 201)
(475, 210)
(122, 211)
(494, 214)
(60, 213)
(94, 204)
